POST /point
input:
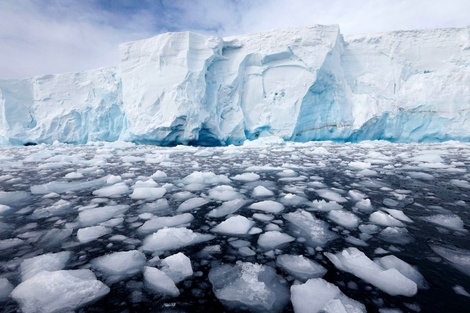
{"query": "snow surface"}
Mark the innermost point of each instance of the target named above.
(299, 84)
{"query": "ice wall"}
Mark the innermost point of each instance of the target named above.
(70, 108)
(300, 84)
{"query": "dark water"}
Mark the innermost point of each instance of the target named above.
(395, 178)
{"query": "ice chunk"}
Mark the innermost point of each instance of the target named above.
(4, 208)
(246, 177)
(10, 243)
(397, 235)
(73, 175)
(208, 178)
(59, 207)
(159, 282)
(384, 219)
(322, 205)
(173, 238)
(227, 208)
(460, 183)
(391, 281)
(356, 195)
(5, 289)
(97, 215)
(458, 258)
(273, 239)
(267, 206)
(235, 225)
(45, 262)
(59, 291)
(391, 261)
(318, 295)
(450, 221)
(364, 205)
(255, 287)
(148, 193)
(344, 218)
(330, 195)
(192, 204)
(300, 267)
(261, 191)
(115, 190)
(159, 175)
(120, 265)
(157, 223)
(88, 234)
(177, 267)
(224, 193)
(399, 215)
(293, 200)
(314, 230)
(357, 165)
(458, 290)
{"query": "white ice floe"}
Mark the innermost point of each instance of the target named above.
(322, 205)
(273, 239)
(119, 265)
(261, 191)
(450, 221)
(293, 200)
(115, 190)
(45, 262)
(4, 209)
(330, 195)
(460, 183)
(156, 223)
(227, 208)
(384, 219)
(58, 208)
(399, 215)
(398, 235)
(461, 291)
(159, 175)
(458, 258)
(148, 193)
(101, 214)
(159, 282)
(300, 267)
(268, 206)
(246, 177)
(358, 165)
(253, 286)
(356, 195)
(224, 193)
(208, 178)
(389, 280)
(10, 243)
(364, 205)
(172, 238)
(59, 291)
(344, 218)
(191, 204)
(314, 230)
(391, 261)
(177, 267)
(235, 225)
(91, 233)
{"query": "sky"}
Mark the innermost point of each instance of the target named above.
(56, 36)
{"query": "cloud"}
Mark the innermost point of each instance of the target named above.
(54, 36)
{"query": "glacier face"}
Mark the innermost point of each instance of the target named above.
(299, 84)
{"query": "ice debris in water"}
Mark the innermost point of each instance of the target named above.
(227, 208)
(450, 221)
(300, 267)
(318, 295)
(159, 282)
(45, 262)
(97, 215)
(458, 258)
(208, 178)
(119, 265)
(261, 191)
(172, 238)
(344, 218)
(177, 267)
(389, 280)
(246, 177)
(59, 291)
(148, 193)
(268, 206)
(191, 204)
(224, 193)
(273, 239)
(235, 225)
(91, 233)
(249, 286)
(156, 223)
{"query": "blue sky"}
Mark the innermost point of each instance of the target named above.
(56, 36)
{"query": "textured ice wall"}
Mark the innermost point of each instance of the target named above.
(71, 108)
(299, 84)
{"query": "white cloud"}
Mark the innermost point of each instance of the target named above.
(53, 36)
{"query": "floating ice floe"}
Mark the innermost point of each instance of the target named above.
(344, 218)
(458, 258)
(235, 225)
(191, 204)
(384, 219)
(300, 267)
(115, 190)
(45, 262)
(119, 265)
(273, 239)
(100, 214)
(255, 287)
(322, 205)
(391, 261)
(331, 195)
(268, 206)
(208, 178)
(156, 223)
(450, 221)
(246, 177)
(172, 238)
(177, 267)
(159, 282)
(148, 193)
(389, 280)
(318, 295)
(314, 230)
(261, 191)
(227, 208)
(91, 233)
(59, 291)
(61, 187)
(398, 235)
(224, 193)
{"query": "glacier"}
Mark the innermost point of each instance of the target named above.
(299, 84)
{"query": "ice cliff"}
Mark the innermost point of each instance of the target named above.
(299, 84)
